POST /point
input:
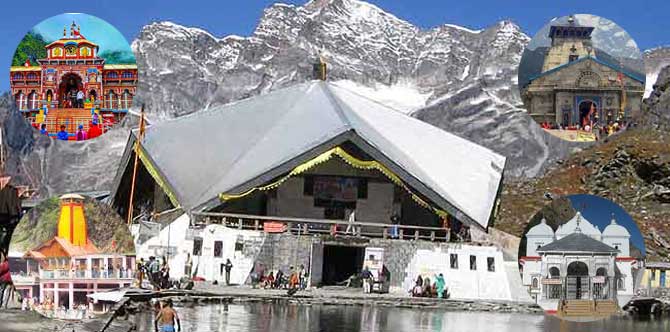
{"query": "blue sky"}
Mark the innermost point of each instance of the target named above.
(648, 22)
(598, 211)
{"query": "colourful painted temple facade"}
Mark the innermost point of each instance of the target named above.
(45, 92)
(62, 271)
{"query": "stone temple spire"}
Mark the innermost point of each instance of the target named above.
(579, 219)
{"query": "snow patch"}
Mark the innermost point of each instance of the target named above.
(404, 97)
(458, 27)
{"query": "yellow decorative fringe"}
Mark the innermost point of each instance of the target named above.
(146, 161)
(349, 159)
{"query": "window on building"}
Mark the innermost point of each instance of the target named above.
(620, 284)
(534, 283)
(32, 100)
(218, 248)
(197, 246)
(473, 262)
(239, 246)
(31, 76)
(127, 74)
(126, 99)
(308, 185)
(18, 76)
(453, 261)
(362, 188)
(112, 101)
(491, 264)
(112, 75)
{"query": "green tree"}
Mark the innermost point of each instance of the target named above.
(118, 57)
(32, 47)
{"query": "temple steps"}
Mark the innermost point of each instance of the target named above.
(588, 308)
(71, 118)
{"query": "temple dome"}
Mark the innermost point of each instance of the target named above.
(585, 227)
(615, 230)
(541, 229)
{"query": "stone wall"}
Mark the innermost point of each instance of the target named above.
(405, 260)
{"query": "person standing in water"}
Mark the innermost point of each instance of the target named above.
(168, 318)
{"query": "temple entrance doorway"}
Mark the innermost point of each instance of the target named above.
(340, 263)
(587, 111)
(69, 85)
(577, 281)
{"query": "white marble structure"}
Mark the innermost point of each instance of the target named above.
(578, 261)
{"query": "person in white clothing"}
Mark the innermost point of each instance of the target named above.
(350, 227)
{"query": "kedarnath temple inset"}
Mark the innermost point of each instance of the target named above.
(581, 89)
(72, 93)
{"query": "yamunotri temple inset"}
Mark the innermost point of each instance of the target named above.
(46, 92)
(579, 85)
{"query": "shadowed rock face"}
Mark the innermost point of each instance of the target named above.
(468, 78)
(53, 167)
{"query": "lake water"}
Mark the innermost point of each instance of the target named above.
(272, 317)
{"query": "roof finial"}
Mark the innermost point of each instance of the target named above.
(613, 222)
(319, 70)
(579, 219)
(571, 19)
(65, 31)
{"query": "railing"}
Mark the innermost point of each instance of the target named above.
(85, 274)
(578, 288)
(304, 226)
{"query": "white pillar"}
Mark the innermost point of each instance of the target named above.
(71, 295)
(89, 268)
(56, 295)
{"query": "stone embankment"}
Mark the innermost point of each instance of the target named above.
(209, 294)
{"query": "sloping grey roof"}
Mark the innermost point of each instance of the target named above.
(226, 149)
(577, 242)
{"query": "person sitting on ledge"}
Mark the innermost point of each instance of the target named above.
(81, 134)
(94, 130)
(62, 134)
(43, 130)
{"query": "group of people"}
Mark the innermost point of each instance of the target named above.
(294, 279)
(93, 131)
(424, 288)
(75, 99)
(600, 131)
(156, 271)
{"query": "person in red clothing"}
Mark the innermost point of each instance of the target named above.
(94, 130)
(5, 279)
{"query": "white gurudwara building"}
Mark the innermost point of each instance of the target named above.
(578, 262)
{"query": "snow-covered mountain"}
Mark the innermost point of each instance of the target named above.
(460, 79)
(456, 78)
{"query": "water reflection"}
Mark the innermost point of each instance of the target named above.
(289, 317)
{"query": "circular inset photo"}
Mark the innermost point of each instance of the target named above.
(582, 78)
(71, 257)
(581, 258)
(73, 77)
